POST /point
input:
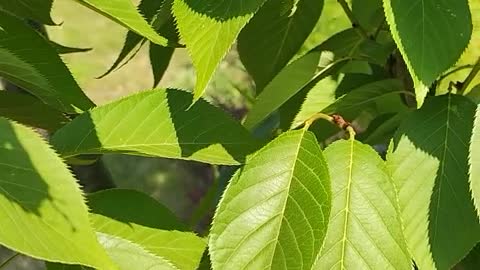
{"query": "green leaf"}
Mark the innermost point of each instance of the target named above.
(365, 230)
(351, 104)
(159, 60)
(125, 13)
(37, 10)
(209, 28)
(431, 36)
(154, 11)
(61, 49)
(274, 213)
(28, 60)
(383, 132)
(429, 165)
(474, 161)
(157, 123)
(30, 111)
(42, 209)
(264, 52)
(135, 217)
(369, 13)
(128, 255)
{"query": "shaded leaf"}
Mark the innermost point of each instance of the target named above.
(369, 13)
(278, 30)
(431, 35)
(209, 28)
(41, 199)
(365, 230)
(157, 123)
(429, 165)
(125, 13)
(30, 111)
(275, 210)
(159, 60)
(61, 49)
(28, 60)
(37, 10)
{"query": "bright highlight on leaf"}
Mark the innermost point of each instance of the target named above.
(275, 210)
(126, 14)
(157, 123)
(474, 161)
(431, 36)
(429, 165)
(365, 230)
(40, 198)
(209, 28)
(28, 60)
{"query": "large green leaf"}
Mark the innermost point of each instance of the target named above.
(369, 13)
(37, 10)
(157, 123)
(134, 216)
(365, 230)
(274, 213)
(29, 110)
(274, 35)
(474, 161)
(431, 36)
(42, 210)
(209, 28)
(128, 255)
(429, 165)
(126, 14)
(28, 60)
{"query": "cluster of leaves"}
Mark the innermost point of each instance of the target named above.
(297, 200)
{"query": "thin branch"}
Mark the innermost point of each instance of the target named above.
(8, 260)
(353, 19)
(454, 70)
(470, 77)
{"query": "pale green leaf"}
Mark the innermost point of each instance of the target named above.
(36, 10)
(431, 36)
(134, 216)
(365, 230)
(429, 165)
(128, 255)
(474, 161)
(273, 214)
(42, 210)
(29, 61)
(125, 13)
(274, 36)
(209, 28)
(30, 111)
(157, 123)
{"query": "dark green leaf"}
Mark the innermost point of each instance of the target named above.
(37, 10)
(431, 36)
(274, 36)
(30, 111)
